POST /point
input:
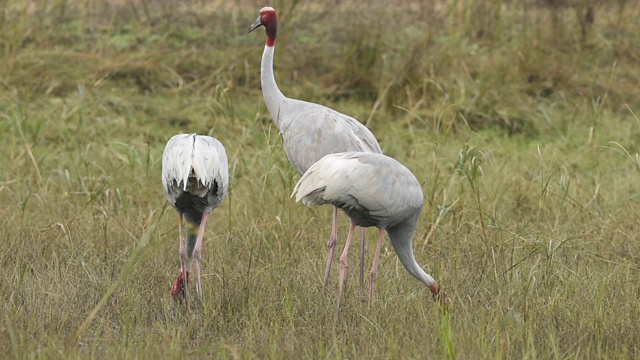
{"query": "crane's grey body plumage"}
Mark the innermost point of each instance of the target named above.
(310, 131)
(372, 189)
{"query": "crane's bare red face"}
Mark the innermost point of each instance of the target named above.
(269, 20)
(179, 287)
(268, 17)
(439, 296)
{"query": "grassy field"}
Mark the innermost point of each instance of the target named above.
(521, 120)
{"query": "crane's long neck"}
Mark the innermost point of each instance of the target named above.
(401, 237)
(272, 95)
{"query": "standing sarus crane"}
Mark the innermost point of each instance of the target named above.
(373, 190)
(195, 177)
(310, 131)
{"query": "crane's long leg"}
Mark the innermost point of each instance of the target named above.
(331, 245)
(182, 253)
(374, 268)
(197, 255)
(342, 271)
(364, 235)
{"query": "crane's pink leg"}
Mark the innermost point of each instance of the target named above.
(374, 268)
(197, 255)
(182, 254)
(343, 271)
(364, 235)
(331, 244)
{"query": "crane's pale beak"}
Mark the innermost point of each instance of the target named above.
(256, 24)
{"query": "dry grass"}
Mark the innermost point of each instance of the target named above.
(520, 119)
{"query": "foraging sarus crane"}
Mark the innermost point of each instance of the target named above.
(309, 131)
(195, 177)
(373, 190)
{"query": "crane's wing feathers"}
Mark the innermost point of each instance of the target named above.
(196, 164)
(372, 189)
(176, 160)
(212, 165)
(311, 131)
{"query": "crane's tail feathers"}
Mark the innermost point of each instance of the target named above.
(314, 198)
(325, 181)
(309, 195)
(202, 158)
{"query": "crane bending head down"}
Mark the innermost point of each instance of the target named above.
(373, 190)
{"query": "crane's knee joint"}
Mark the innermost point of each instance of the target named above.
(182, 255)
(332, 242)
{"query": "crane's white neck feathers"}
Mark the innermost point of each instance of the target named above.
(272, 95)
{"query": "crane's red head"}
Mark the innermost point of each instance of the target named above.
(440, 297)
(179, 287)
(269, 20)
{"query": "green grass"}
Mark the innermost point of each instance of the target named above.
(521, 121)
